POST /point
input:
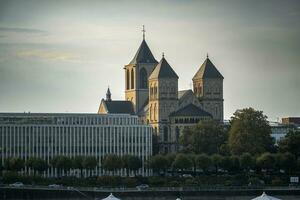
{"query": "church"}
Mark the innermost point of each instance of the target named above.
(151, 93)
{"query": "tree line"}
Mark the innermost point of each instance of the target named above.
(63, 164)
(248, 132)
(216, 163)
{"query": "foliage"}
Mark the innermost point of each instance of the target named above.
(291, 143)
(15, 164)
(203, 162)
(249, 132)
(158, 163)
(89, 162)
(266, 161)
(182, 162)
(131, 163)
(216, 161)
(247, 162)
(206, 137)
(112, 163)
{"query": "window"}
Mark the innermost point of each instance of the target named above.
(143, 79)
(165, 134)
(127, 80)
(132, 79)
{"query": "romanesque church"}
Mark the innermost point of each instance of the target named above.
(151, 92)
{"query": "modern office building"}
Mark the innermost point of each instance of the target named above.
(46, 135)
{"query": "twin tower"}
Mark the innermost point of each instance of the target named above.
(151, 92)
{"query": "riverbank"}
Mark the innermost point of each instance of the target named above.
(10, 193)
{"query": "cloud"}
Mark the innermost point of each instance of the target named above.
(48, 55)
(23, 30)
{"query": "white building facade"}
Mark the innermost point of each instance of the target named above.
(47, 135)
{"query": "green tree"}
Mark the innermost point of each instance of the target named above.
(290, 143)
(182, 162)
(112, 163)
(158, 163)
(61, 163)
(16, 164)
(77, 163)
(266, 161)
(131, 163)
(186, 139)
(226, 163)
(216, 161)
(249, 132)
(89, 162)
(247, 162)
(286, 161)
(206, 137)
(203, 162)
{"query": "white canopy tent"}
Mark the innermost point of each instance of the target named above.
(264, 196)
(111, 197)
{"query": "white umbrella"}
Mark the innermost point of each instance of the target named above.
(111, 197)
(264, 196)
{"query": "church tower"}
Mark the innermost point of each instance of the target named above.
(136, 76)
(163, 100)
(208, 87)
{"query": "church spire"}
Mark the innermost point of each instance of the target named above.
(143, 30)
(108, 95)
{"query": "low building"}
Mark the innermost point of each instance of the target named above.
(279, 130)
(46, 135)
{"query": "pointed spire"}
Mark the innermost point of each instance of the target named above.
(206, 55)
(163, 54)
(143, 30)
(163, 70)
(108, 95)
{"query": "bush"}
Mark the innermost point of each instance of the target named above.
(129, 182)
(156, 181)
(277, 182)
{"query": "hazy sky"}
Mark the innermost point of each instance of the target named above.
(60, 56)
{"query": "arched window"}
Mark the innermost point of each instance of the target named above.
(127, 79)
(143, 79)
(151, 113)
(132, 79)
(177, 133)
(165, 134)
(154, 112)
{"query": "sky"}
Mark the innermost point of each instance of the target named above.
(60, 56)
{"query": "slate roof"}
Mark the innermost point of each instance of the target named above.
(208, 70)
(119, 107)
(190, 110)
(163, 70)
(182, 94)
(143, 55)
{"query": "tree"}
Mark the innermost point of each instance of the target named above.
(89, 162)
(37, 164)
(131, 163)
(216, 161)
(206, 137)
(186, 139)
(249, 132)
(77, 163)
(226, 163)
(61, 163)
(247, 162)
(112, 163)
(182, 162)
(286, 161)
(16, 164)
(158, 163)
(203, 162)
(266, 161)
(290, 143)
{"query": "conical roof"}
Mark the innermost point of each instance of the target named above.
(143, 55)
(163, 70)
(208, 70)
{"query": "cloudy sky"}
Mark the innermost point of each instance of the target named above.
(60, 56)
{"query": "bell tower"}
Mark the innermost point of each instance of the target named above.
(208, 87)
(137, 73)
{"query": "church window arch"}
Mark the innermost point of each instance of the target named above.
(127, 79)
(151, 113)
(166, 138)
(154, 113)
(143, 79)
(132, 79)
(177, 131)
